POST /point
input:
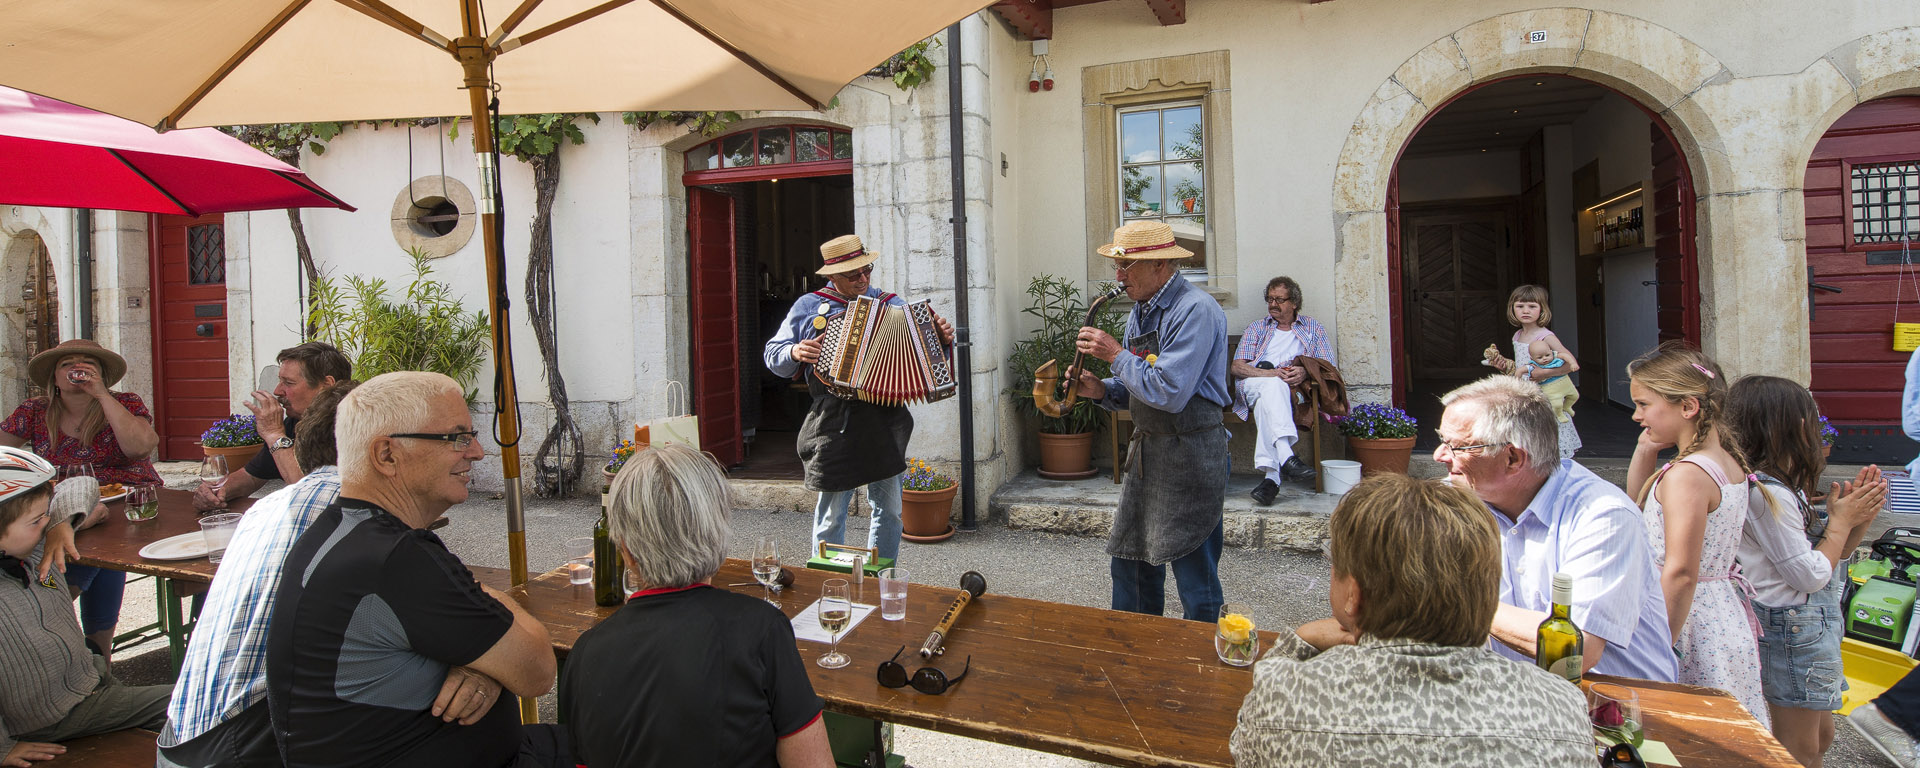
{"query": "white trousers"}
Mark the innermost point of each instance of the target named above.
(1274, 430)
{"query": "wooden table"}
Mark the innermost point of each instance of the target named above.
(1101, 685)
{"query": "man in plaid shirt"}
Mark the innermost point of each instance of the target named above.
(1263, 367)
(218, 715)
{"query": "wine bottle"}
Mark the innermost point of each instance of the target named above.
(1559, 642)
(609, 571)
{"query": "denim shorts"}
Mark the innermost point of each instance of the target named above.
(1800, 651)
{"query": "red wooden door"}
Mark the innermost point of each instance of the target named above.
(190, 329)
(716, 327)
(1675, 255)
(1862, 199)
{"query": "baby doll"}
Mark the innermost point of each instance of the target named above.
(1559, 390)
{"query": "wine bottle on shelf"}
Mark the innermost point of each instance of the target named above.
(1559, 641)
(609, 571)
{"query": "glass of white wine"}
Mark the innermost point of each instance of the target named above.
(836, 610)
(766, 566)
(213, 469)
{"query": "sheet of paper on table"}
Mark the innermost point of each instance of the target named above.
(806, 625)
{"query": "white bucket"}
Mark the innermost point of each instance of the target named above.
(1341, 476)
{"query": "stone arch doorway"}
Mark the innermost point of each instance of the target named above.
(1550, 180)
(1650, 66)
(32, 311)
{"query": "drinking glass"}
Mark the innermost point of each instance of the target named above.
(836, 610)
(69, 471)
(580, 560)
(766, 566)
(1234, 639)
(893, 594)
(143, 502)
(213, 469)
(218, 530)
(1615, 712)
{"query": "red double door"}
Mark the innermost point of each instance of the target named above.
(189, 306)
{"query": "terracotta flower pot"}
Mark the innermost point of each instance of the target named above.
(237, 456)
(1066, 457)
(1389, 454)
(925, 516)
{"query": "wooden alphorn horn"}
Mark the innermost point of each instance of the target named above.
(1051, 395)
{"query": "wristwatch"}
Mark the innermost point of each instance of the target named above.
(283, 442)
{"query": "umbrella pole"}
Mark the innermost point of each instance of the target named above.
(475, 57)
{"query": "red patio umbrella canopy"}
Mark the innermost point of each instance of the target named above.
(56, 154)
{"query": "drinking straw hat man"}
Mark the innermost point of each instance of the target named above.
(1172, 375)
(845, 444)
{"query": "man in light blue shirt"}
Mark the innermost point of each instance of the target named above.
(1171, 374)
(1499, 437)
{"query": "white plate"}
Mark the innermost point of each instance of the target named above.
(116, 497)
(186, 546)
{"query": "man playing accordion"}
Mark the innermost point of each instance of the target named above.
(845, 443)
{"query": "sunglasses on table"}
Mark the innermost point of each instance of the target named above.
(927, 680)
(458, 439)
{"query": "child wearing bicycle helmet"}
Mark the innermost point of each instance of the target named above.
(57, 690)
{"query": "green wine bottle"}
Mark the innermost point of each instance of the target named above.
(1559, 642)
(609, 571)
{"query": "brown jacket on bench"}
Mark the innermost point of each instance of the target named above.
(1323, 391)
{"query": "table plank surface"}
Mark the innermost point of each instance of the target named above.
(116, 542)
(1102, 685)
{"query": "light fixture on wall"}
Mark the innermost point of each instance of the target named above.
(1033, 76)
(1046, 80)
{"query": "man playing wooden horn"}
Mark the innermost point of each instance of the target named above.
(1172, 375)
(845, 444)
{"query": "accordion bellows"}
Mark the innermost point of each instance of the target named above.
(886, 355)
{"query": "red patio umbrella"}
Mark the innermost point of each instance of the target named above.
(56, 154)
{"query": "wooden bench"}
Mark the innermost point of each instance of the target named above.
(131, 748)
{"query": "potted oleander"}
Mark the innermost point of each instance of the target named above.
(1066, 441)
(926, 503)
(234, 437)
(1380, 436)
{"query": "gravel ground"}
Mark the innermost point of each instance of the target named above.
(1282, 588)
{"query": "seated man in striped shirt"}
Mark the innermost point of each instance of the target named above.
(218, 715)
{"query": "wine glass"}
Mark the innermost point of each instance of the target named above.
(836, 610)
(766, 566)
(213, 469)
(1615, 712)
(69, 471)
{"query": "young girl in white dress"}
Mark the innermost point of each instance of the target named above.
(1696, 507)
(1527, 309)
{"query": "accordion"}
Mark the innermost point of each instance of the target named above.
(884, 354)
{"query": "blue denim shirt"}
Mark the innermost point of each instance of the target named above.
(778, 354)
(1192, 360)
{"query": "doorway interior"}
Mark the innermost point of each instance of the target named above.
(1554, 181)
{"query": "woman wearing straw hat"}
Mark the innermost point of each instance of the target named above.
(80, 421)
(1172, 375)
(845, 444)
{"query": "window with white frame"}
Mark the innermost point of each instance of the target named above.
(1163, 170)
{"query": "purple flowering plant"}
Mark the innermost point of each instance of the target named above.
(1827, 432)
(231, 432)
(1376, 421)
(921, 476)
(621, 453)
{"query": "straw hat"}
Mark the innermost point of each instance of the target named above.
(1144, 240)
(112, 366)
(844, 254)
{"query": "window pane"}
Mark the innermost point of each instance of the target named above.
(738, 150)
(842, 146)
(809, 146)
(1184, 137)
(1140, 191)
(1186, 188)
(705, 157)
(776, 146)
(1140, 137)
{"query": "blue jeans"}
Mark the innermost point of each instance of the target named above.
(1140, 587)
(100, 593)
(883, 533)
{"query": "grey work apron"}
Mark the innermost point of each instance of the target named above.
(845, 444)
(1176, 483)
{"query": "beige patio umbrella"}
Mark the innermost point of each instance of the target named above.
(190, 63)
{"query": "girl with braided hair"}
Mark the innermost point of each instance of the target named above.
(1696, 507)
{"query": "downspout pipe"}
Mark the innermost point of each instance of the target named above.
(83, 268)
(963, 345)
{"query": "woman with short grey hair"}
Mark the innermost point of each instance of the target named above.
(685, 674)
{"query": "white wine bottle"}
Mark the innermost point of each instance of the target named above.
(1559, 642)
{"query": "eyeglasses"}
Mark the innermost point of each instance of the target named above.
(855, 274)
(460, 440)
(927, 680)
(1464, 450)
(1122, 265)
(1283, 300)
